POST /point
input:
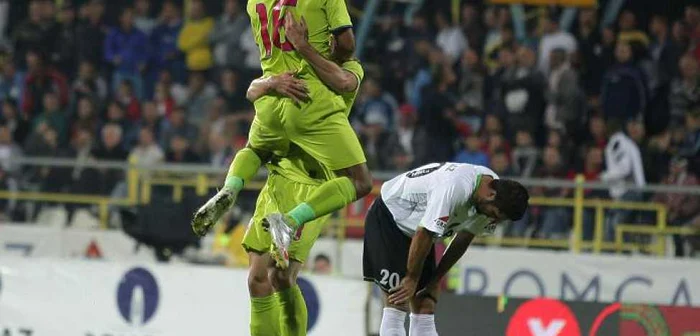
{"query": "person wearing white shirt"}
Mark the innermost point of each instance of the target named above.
(554, 38)
(413, 210)
(450, 38)
(623, 162)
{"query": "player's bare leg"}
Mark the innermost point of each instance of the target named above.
(293, 312)
(423, 316)
(393, 319)
(243, 168)
(352, 183)
(264, 304)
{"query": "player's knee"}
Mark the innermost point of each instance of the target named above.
(258, 283)
(423, 306)
(281, 279)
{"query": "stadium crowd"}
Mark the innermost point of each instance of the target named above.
(100, 80)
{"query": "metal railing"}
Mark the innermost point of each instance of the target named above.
(141, 179)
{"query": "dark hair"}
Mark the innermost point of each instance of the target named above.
(322, 257)
(511, 198)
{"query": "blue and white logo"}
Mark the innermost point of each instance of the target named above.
(138, 296)
(313, 304)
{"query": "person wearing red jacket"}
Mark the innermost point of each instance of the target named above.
(40, 80)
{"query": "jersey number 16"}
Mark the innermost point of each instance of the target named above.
(277, 23)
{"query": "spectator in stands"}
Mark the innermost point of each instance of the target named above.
(656, 152)
(373, 103)
(201, 94)
(591, 65)
(164, 101)
(17, 124)
(147, 151)
(194, 38)
(623, 162)
(472, 152)
(86, 117)
(624, 91)
(126, 48)
(11, 80)
(449, 37)
(252, 65)
(111, 149)
(180, 151)
(165, 54)
(53, 116)
(218, 151)
(236, 102)
(592, 167)
(33, 34)
(499, 80)
(564, 96)
(177, 124)
(500, 164)
(152, 119)
(64, 51)
(523, 93)
(226, 35)
(493, 31)
(691, 144)
(685, 89)
(507, 42)
(628, 30)
(679, 34)
(471, 27)
(116, 115)
(665, 53)
(142, 17)
(90, 34)
(597, 132)
(555, 221)
(682, 208)
(407, 140)
(553, 38)
(437, 116)
(525, 154)
(89, 83)
(375, 136)
(322, 265)
(127, 97)
(40, 80)
(10, 153)
(177, 91)
(470, 88)
(692, 21)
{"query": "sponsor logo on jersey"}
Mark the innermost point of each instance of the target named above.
(442, 221)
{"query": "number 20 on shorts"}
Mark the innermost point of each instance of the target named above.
(392, 279)
(277, 24)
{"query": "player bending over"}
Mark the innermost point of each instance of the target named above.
(277, 305)
(318, 125)
(414, 209)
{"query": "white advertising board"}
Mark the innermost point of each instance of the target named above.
(584, 277)
(43, 241)
(41, 296)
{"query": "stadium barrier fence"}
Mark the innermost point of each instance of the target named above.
(140, 180)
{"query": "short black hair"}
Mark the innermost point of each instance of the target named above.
(322, 257)
(511, 198)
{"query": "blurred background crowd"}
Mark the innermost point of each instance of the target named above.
(155, 82)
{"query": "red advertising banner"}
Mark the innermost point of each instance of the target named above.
(642, 320)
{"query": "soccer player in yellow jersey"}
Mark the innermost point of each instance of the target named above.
(277, 304)
(317, 123)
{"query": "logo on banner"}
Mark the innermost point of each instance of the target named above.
(313, 304)
(138, 296)
(543, 317)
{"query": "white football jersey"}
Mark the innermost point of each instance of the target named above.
(437, 196)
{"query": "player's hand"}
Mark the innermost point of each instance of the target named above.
(289, 86)
(430, 291)
(295, 31)
(404, 292)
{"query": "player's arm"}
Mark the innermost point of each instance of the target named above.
(328, 71)
(341, 26)
(421, 243)
(285, 84)
(434, 222)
